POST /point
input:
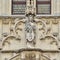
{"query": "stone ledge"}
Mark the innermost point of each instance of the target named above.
(26, 49)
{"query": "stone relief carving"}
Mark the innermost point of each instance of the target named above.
(32, 55)
(42, 29)
(30, 30)
(8, 42)
(29, 27)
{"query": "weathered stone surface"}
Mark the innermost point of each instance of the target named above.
(30, 37)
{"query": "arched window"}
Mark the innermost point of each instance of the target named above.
(43, 7)
(18, 7)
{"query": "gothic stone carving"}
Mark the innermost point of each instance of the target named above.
(30, 30)
(43, 37)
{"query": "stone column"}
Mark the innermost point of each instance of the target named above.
(54, 6)
(27, 6)
(58, 7)
(35, 6)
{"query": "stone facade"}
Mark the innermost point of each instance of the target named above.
(5, 7)
(30, 37)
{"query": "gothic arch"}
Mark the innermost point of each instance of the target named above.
(26, 56)
(50, 42)
(17, 23)
(43, 25)
(10, 42)
(3, 41)
(54, 38)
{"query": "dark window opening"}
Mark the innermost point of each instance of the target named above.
(18, 7)
(43, 7)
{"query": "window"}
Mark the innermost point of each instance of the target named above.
(18, 7)
(43, 7)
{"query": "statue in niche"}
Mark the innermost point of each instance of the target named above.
(30, 28)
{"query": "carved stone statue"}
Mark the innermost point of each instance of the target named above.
(30, 27)
(30, 31)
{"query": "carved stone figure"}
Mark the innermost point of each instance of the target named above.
(30, 27)
(30, 31)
